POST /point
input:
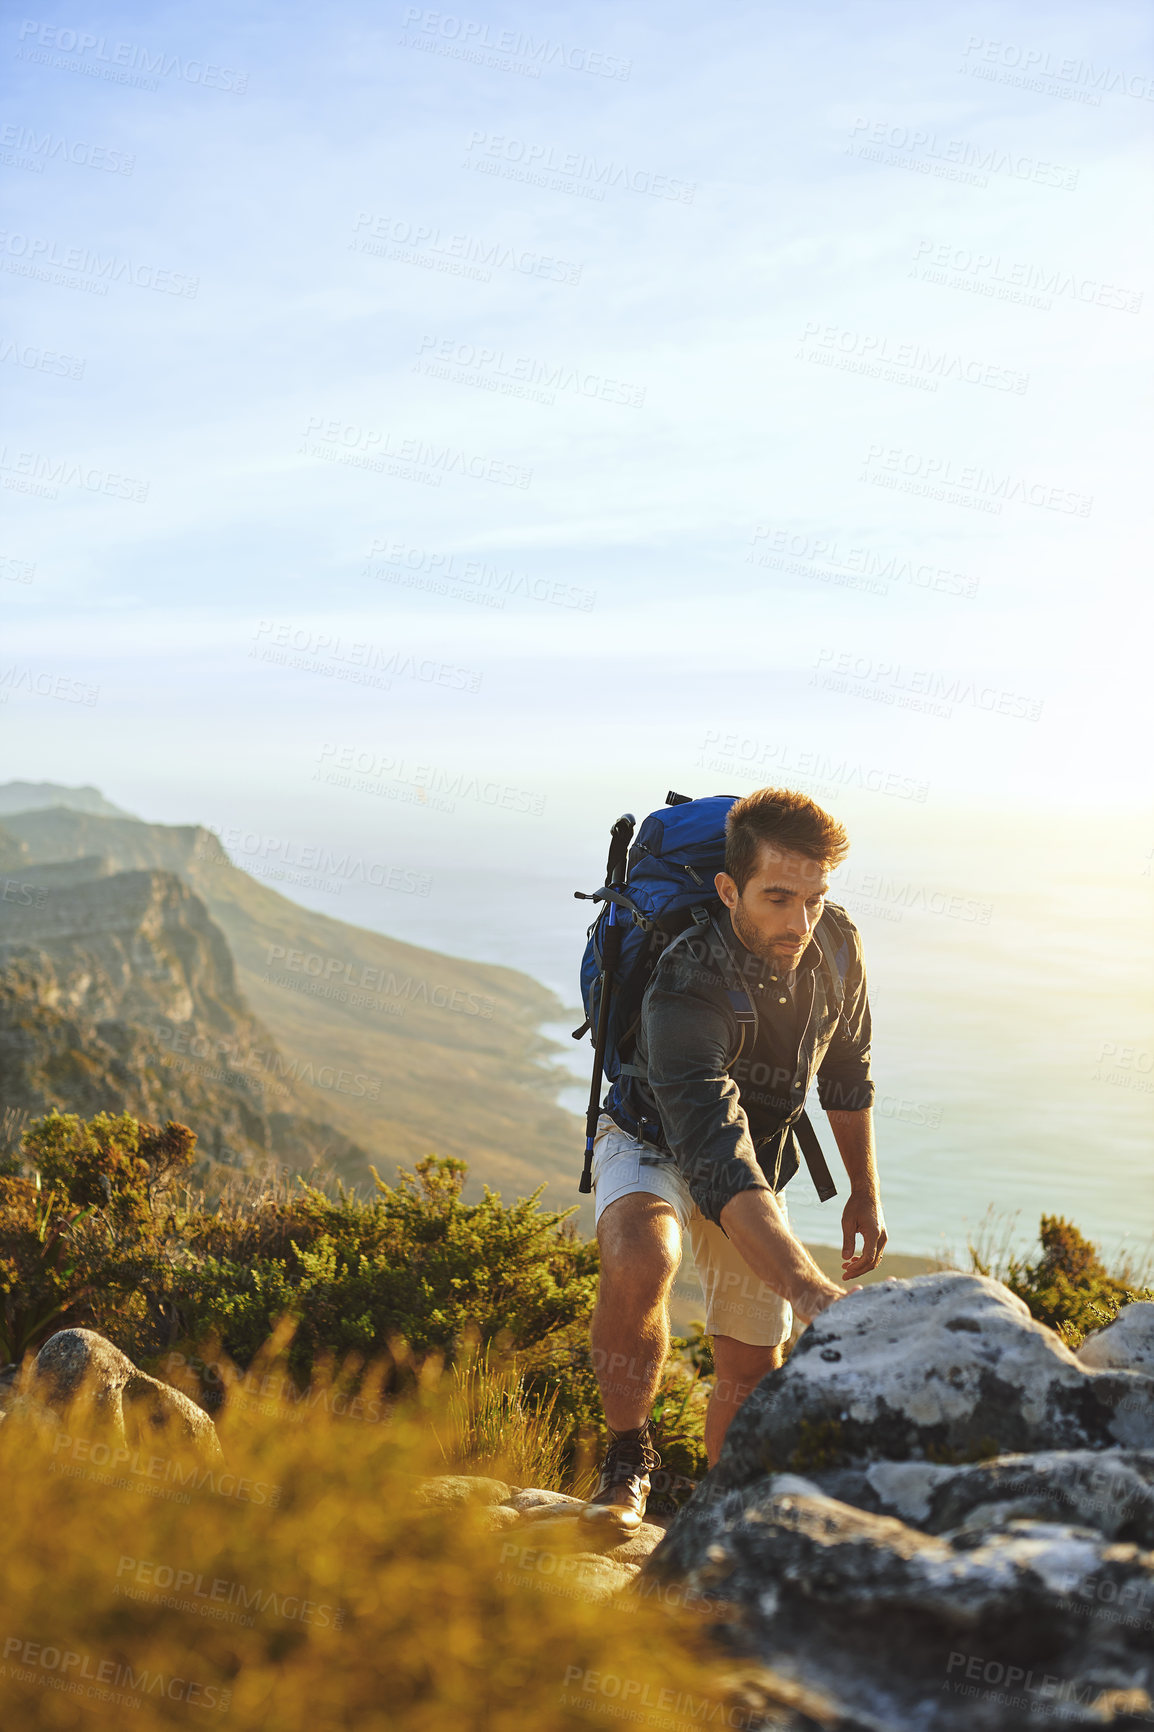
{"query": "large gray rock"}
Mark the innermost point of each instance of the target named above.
(943, 1367)
(1111, 1491)
(1030, 1624)
(1127, 1344)
(854, 1538)
(82, 1383)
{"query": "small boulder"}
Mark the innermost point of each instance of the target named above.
(454, 1488)
(82, 1383)
(1127, 1344)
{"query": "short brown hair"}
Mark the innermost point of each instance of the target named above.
(786, 819)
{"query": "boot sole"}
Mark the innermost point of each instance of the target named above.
(607, 1515)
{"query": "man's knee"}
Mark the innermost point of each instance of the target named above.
(640, 1243)
(740, 1367)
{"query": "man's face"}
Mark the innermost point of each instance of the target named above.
(782, 903)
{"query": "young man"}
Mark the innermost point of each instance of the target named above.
(706, 1143)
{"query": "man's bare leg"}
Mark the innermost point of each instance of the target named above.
(740, 1368)
(640, 1243)
(755, 1224)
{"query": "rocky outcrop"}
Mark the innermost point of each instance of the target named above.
(542, 1544)
(118, 993)
(1127, 1344)
(939, 1516)
(81, 1383)
(367, 1026)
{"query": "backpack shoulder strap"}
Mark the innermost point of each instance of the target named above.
(830, 957)
(740, 1001)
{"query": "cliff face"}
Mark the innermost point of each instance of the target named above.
(129, 945)
(402, 1049)
(118, 992)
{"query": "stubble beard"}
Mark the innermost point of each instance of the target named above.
(762, 948)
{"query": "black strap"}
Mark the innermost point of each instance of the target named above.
(814, 1157)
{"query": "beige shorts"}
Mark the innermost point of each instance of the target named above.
(737, 1302)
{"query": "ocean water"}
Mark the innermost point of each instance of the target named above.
(1010, 968)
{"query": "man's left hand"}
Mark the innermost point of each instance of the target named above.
(861, 1215)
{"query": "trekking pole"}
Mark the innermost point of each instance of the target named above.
(619, 839)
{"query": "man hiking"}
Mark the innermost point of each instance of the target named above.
(702, 1135)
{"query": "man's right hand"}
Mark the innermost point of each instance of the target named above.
(814, 1298)
(754, 1223)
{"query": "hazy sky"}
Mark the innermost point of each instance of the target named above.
(515, 413)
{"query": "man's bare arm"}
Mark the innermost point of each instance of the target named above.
(753, 1221)
(854, 1134)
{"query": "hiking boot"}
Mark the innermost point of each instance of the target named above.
(623, 1485)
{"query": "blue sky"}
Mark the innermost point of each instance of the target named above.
(430, 434)
(803, 395)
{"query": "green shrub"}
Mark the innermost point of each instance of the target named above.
(1068, 1287)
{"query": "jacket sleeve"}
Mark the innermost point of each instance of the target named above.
(843, 1076)
(689, 1039)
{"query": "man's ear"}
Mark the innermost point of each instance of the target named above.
(727, 889)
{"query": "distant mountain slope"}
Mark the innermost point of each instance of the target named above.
(448, 1051)
(118, 992)
(29, 796)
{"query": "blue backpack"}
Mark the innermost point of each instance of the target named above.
(653, 891)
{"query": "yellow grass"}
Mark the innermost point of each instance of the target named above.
(303, 1587)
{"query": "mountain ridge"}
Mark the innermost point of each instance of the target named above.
(382, 1040)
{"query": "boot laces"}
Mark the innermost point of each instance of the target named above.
(630, 1456)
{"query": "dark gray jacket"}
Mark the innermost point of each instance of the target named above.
(720, 1103)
